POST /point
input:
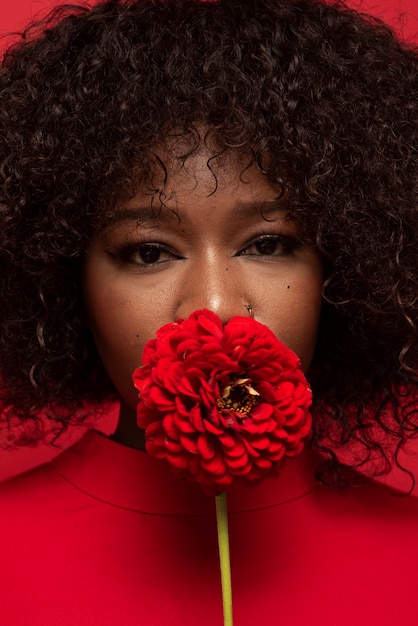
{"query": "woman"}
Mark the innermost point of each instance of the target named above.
(250, 158)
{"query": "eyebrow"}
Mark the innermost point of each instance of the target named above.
(148, 213)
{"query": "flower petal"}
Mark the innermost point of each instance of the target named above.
(221, 403)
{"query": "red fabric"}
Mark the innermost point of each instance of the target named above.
(107, 535)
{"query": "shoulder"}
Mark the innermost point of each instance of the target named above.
(33, 493)
(41, 492)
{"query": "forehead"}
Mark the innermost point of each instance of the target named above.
(180, 168)
(228, 187)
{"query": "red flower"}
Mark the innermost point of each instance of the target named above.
(221, 403)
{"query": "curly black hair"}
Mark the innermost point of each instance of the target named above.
(329, 94)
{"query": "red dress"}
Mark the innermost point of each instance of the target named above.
(106, 535)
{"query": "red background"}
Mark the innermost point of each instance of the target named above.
(15, 14)
(402, 14)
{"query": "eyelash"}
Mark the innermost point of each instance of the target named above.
(288, 244)
(126, 252)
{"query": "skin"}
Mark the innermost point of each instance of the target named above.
(215, 247)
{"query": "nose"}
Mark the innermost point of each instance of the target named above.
(218, 287)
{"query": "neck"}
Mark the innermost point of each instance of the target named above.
(127, 432)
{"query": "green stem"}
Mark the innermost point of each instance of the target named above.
(224, 558)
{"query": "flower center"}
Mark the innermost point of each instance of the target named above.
(239, 396)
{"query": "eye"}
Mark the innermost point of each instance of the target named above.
(149, 253)
(144, 254)
(271, 246)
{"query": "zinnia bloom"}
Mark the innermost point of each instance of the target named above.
(222, 404)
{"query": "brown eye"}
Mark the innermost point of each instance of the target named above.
(144, 255)
(266, 246)
(149, 253)
(271, 246)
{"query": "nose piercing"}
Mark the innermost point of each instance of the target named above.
(250, 310)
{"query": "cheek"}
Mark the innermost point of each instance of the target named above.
(301, 332)
(120, 329)
(294, 316)
(120, 343)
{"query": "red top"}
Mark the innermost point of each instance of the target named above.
(106, 535)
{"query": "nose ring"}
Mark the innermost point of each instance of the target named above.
(250, 310)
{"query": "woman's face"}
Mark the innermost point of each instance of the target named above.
(226, 247)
